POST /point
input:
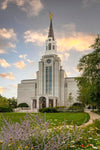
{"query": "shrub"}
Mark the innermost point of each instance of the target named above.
(78, 104)
(76, 109)
(48, 110)
(5, 109)
(23, 105)
(61, 106)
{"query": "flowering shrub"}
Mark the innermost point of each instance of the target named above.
(38, 134)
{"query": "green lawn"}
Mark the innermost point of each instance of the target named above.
(54, 118)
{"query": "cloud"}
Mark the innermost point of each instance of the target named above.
(30, 61)
(15, 86)
(20, 65)
(68, 73)
(63, 56)
(35, 37)
(78, 41)
(25, 58)
(7, 75)
(7, 34)
(8, 39)
(2, 90)
(76, 69)
(31, 7)
(4, 63)
(2, 51)
(88, 3)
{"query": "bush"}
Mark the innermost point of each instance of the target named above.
(76, 108)
(48, 110)
(5, 109)
(78, 104)
(23, 105)
(61, 106)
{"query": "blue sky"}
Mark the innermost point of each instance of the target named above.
(24, 28)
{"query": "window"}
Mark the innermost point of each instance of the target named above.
(49, 46)
(46, 79)
(53, 46)
(50, 80)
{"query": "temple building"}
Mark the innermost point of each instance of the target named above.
(51, 87)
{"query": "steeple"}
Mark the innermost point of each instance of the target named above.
(50, 42)
(51, 33)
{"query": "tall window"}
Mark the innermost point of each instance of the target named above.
(50, 85)
(46, 79)
(53, 46)
(49, 79)
(49, 46)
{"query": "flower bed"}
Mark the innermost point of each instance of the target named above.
(38, 134)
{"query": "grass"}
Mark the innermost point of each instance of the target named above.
(54, 118)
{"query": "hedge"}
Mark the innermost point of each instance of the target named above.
(23, 105)
(6, 109)
(48, 110)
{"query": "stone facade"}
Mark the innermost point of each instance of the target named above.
(51, 87)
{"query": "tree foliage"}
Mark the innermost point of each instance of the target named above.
(89, 82)
(11, 102)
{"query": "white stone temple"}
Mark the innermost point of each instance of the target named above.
(51, 87)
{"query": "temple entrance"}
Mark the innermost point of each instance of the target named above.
(42, 102)
(34, 103)
(50, 102)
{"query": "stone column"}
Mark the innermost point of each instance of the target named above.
(47, 102)
(37, 103)
(54, 102)
(31, 104)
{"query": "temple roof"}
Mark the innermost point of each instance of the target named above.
(51, 33)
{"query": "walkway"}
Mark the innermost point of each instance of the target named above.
(93, 117)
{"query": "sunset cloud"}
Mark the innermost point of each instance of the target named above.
(20, 65)
(3, 63)
(7, 75)
(2, 90)
(8, 39)
(2, 51)
(31, 7)
(23, 56)
(78, 41)
(15, 86)
(65, 42)
(63, 56)
(7, 33)
(35, 37)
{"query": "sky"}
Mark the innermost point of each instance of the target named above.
(24, 28)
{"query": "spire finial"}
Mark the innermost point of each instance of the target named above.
(51, 34)
(51, 15)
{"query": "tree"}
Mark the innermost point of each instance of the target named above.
(70, 99)
(3, 101)
(89, 82)
(12, 102)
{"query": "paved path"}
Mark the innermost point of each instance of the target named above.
(93, 117)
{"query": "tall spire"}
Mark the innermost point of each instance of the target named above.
(51, 33)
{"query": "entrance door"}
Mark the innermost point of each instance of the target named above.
(50, 102)
(42, 102)
(34, 103)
